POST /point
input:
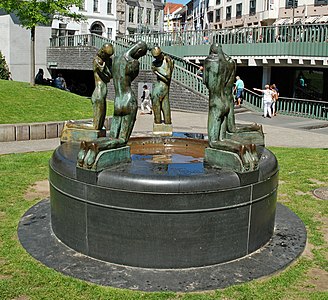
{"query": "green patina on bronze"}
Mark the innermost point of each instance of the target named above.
(102, 69)
(125, 69)
(111, 157)
(162, 67)
(80, 134)
(219, 75)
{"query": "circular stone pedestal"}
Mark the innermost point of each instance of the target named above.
(164, 209)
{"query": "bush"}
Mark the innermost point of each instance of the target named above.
(4, 70)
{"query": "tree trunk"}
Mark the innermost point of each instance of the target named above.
(32, 75)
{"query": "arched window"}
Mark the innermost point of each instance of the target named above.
(96, 28)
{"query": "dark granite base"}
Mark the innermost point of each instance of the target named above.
(287, 243)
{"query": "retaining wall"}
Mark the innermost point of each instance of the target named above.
(35, 131)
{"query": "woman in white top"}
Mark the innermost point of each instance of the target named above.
(267, 100)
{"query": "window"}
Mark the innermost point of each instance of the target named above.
(218, 15)
(239, 8)
(95, 5)
(109, 33)
(320, 2)
(109, 7)
(228, 13)
(291, 3)
(156, 16)
(252, 7)
(148, 15)
(140, 15)
(218, 2)
(131, 14)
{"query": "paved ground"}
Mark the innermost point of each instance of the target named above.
(281, 130)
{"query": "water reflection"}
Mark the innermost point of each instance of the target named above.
(166, 164)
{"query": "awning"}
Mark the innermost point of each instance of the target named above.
(296, 20)
(281, 22)
(132, 2)
(323, 19)
(310, 20)
(158, 4)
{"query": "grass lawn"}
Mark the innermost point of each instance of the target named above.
(24, 278)
(22, 103)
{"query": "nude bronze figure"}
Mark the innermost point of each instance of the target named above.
(219, 74)
(162, 67)
(102, 69)
(124, 70)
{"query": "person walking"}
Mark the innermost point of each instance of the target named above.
(274, 99)
(239, 89)
(267, 100)
(145, 100)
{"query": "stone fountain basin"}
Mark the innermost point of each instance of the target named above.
(165, 209)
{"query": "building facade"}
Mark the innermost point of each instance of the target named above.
(15, 46)
(243, 13)
(144, 16)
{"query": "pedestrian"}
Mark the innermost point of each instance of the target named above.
(60, 82)
(274, 99)
(239, 90)
(267, 100)
(145, 100)
(200, 71)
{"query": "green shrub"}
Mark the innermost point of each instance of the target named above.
(4, 70)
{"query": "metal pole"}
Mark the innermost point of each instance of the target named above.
(293, 11)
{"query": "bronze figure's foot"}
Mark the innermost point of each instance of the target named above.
(91, 156)
(82, 153)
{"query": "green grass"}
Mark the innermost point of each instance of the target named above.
(301, 171)
(22, 103)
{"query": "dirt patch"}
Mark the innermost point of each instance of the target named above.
(38, 190)
(318, 279)
(4, 277)
(300, 193)
(2, 215)
(315, 181)
(22, 298)
(308, 250)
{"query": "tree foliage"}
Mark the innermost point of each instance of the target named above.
(4, 70)
(40, 12)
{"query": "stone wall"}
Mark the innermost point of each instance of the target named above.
(180, 96)
(80, 58)
(71, 58)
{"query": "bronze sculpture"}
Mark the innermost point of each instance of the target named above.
(125, 69)
(102, 69)
(219, 78)
(162, 67)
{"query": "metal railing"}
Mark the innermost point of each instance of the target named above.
(183, 68)
(290, 106)
(307, 33)
(188, 77)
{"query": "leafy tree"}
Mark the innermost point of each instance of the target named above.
(39, 12)
(4, 71)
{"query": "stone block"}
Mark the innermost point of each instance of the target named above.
(162, 129)
(37, 131)
(60, 128)
(7, 133)
(51, 130)
(22, 132)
